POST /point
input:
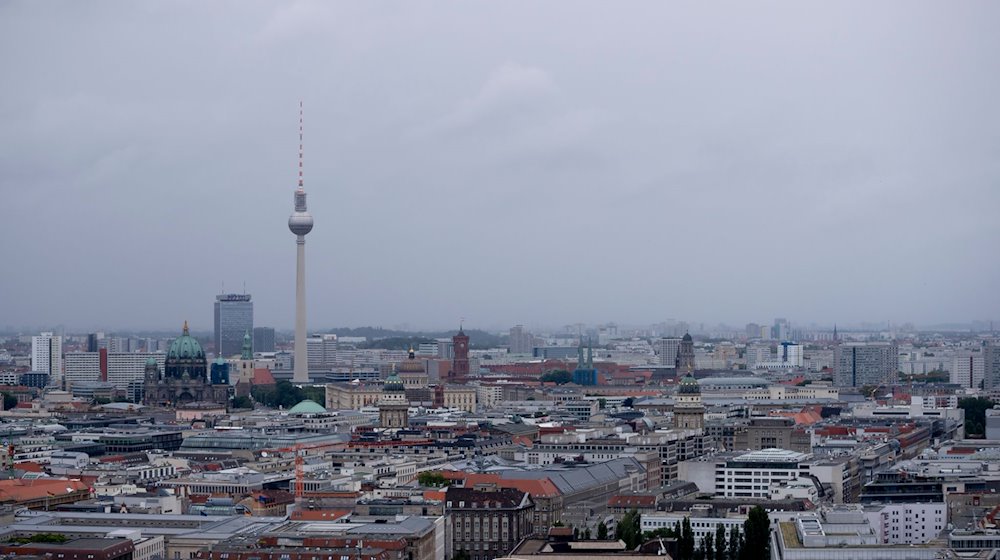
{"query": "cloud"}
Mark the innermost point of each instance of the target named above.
(511, 92)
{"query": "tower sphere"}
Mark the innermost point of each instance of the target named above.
(300, 223)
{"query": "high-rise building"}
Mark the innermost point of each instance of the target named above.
(93, 341)
(857, 364)
(300, 223)
(520, 341)
(967, 370)
(233, 319)
(82, 367)
(263, 339)
(322, 351)
(781, 330)
(790, 353)
(46, 356)
(667, 351)
(122, 368)
(991, 365)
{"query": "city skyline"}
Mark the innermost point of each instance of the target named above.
(783, 167)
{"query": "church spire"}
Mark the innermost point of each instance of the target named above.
(247, 351)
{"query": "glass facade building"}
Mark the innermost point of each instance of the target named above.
(233, 320)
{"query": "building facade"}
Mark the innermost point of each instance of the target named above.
(47, 356)
(185, 376)
(233, 319)
(487, 522)
(857, 364)
(263, 339)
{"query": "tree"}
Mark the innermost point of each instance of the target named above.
(242, 402)
(432, 478)
(757, 533)
(461, 555)
(602, 531)
(720, 542)
(576, 533)
(629, 530)
(735, 544)
(708, 545)
(627, 403)
(685, 545)
(602, 403)
(9, 401)
(586, 533)
(559, 377)
(975, 415)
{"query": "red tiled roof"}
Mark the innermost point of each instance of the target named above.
(263, 376)
(22, 490)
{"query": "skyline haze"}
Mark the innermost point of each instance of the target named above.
(509, 164)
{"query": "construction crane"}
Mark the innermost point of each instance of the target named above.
(300, 450)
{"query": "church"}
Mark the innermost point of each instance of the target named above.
(185, 376)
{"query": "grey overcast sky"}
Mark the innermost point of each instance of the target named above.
(507, 162)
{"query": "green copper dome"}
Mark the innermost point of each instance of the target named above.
(689, 386)
(151, 361)
(307, 407)
(393, 384)
(185, 347)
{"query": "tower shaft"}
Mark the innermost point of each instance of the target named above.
(300, 373)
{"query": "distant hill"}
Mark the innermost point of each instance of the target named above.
(477, 338)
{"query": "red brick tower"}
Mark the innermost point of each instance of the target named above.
(460, 363)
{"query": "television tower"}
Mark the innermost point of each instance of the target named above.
(301, 223)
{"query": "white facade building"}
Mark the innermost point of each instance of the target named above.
(46, 356)
(700, 526)
(667, 350)
(908, 523)
(752, 475)
(322, 350)
(967, 370)
(125, 368)
(82, 367)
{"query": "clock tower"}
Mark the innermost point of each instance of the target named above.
(460, 363)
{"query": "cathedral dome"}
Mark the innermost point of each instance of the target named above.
(151, 361)
(687, 337)
(689, 386)
(411, 364)
(185, 347)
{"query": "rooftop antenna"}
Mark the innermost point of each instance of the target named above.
(300, 145)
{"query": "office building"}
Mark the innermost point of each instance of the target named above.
(233, 319)
(82, 367)
(487, 521)
(520, 341)
(667, 351)
(857, 364)
(46, 356)
(967, 370)
(991, 365)
(753, 474)
(119, 368)
(321, 350)
(263, 339)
